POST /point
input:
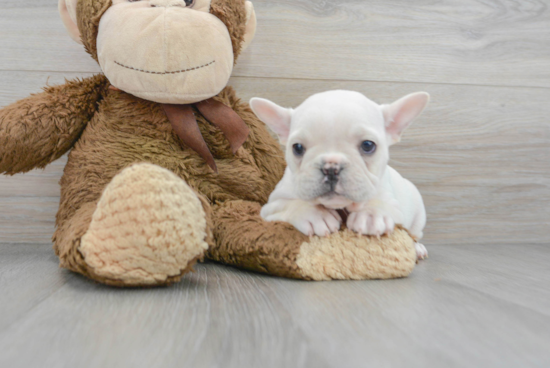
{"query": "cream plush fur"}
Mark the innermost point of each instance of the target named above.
(67, 10)
(345, 259)
(145, 208)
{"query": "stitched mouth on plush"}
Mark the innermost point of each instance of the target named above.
(165, 72)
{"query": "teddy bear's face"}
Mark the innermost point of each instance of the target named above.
(165, 51)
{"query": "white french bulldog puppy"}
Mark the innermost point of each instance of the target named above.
(337, 153)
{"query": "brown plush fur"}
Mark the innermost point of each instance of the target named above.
(233, 15)
(89, 13)
(245, 240)
(39, 129)
(109, 131)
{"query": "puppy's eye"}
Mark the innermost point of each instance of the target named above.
(189, 3)
(298, 149)
(368, 147)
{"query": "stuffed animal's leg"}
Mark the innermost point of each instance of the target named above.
(41, 128)
(148, 228)
(245, 240)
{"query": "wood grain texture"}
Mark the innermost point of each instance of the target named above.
(511, 273)
(467, 306)
(432, 319)
(28, 276)
(497, 42)
(27, 219)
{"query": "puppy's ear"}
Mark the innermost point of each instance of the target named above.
(400, 114)
(274, 116)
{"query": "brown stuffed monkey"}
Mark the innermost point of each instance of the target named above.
(166, 165)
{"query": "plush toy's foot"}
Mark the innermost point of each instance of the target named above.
(148, 229)
(245, 240)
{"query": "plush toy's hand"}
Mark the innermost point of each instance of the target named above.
(41, 128)
(244, 239)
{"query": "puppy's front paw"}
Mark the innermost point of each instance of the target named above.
(370, 222)
(316, 220)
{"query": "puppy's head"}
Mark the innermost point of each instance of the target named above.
(337, 142)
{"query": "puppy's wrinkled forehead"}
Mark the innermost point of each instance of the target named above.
(336, 112)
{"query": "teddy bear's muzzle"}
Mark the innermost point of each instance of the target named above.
(165, 54)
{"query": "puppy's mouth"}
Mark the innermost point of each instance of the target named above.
(331, 194)
(334, 200)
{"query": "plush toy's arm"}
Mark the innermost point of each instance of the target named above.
(244, 240)
(41, 128)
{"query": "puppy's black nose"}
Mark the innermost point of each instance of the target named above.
(331, 169)
(331, 175)
(331, 172)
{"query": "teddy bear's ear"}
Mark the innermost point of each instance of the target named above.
(67, 10)
(251, 22)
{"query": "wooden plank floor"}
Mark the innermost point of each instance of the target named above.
(479, 154)
(467, 306)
